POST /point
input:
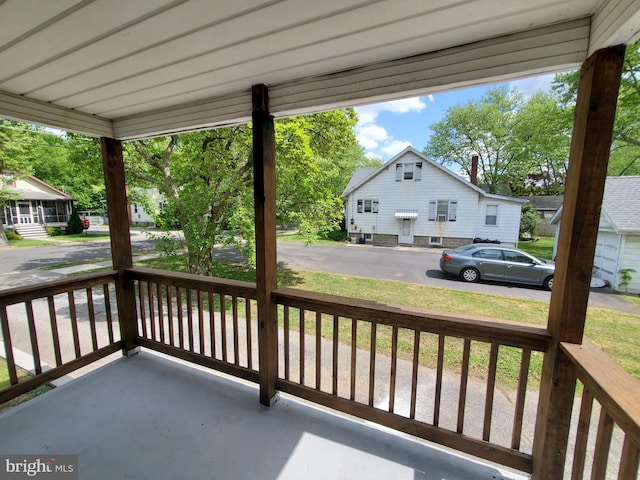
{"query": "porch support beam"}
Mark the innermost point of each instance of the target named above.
(588, 159)
(121, 254)
(264, 188)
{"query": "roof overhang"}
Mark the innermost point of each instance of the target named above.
(131, 70)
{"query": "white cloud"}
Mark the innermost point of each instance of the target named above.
(375, 137)
(395, 146)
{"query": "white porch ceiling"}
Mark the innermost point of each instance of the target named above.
(130, 69)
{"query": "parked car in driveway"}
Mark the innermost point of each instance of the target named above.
(481, 261)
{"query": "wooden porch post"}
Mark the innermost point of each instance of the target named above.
(588, 159)
(120, 240)
(264, 187)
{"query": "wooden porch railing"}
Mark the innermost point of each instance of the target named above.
(67, 323)
(407, 369)
(205, 320)
(359, 371)
(617, 397)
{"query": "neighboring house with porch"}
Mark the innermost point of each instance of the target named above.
(412, 200)
(618, 242)
(38, 205)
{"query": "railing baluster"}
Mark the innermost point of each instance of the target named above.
(74, 323)
(180, 318)
(107, 311)
(491, 386)
(603, 443)
(92, 318)
(223, 325)
(35, 350)
(160, 311)
(143, 315)
(372, 363)
(8, 348)
(169, 293)
(152, 311)
(439, 374)
(286, 342)
(629, 460)
(520, 398)
(335, 355)
(354, 347)
(212, 323)
(464, 375)
(201, 321)
(247, 318)
(582, 435)
(54, 331)
(319, 350)
(236, 349)
(301, 341)
(394, 364)
(189, 304)
(414, 373)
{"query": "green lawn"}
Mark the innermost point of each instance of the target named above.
(79, 237)
(541, 248)
(618, 334)
(4, 383)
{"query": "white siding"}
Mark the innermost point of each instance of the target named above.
(416, 195)
(507, 228)
(630, 258)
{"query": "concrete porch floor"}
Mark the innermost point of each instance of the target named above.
(150, 417)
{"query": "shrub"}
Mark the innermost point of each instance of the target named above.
(11, 235)
(55, 231)
(75, 224)
(336, 235)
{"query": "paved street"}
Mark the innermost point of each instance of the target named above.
(19, 266)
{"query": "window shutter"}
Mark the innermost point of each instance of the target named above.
(432, 211)
(453, 208)
(417, 174)
(398, 172)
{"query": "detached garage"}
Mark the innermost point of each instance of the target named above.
(618, 243)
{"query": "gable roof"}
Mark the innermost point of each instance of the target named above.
(37, 189)
(619, 204)
(363, 175)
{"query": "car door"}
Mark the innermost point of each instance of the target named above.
(490, 263)
(521, 268)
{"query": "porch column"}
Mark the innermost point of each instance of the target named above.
(120, 239)
(264, 191)
(588, 159)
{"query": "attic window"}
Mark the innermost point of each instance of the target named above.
(408, 171)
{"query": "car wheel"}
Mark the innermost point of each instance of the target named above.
(548, 283)
(470, 275)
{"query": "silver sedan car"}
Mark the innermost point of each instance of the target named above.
(480, 261)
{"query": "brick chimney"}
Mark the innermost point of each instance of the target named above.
(473, 177)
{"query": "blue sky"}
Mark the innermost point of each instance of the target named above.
(385, 129)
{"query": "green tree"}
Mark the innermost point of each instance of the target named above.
(541, 138)
(207, 178)
(625, 147)
(529, 222)
(13, 141)
(482, 128)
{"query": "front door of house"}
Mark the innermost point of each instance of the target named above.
(406, 234)
(24, 212)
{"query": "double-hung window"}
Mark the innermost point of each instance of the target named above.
(367, 206)
(443, 210)
(491, 216)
